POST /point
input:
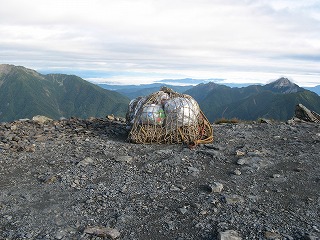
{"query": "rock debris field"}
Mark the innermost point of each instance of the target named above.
(81, 179)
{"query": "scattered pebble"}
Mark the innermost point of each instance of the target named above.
(81, 179)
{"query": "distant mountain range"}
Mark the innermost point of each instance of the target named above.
(276, 100)
(133, 91)
(25, 93)
(315, 89)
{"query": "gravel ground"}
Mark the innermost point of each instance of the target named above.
(81, 179)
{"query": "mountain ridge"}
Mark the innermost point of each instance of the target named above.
(315, 89)
(25, 93)
(283, 85)
(276, 100)
(133, 91)
(182, 83)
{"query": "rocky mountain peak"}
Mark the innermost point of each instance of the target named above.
(283, 82)
(5, 68)
(283, 85)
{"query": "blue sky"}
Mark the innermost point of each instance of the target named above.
(141, 41)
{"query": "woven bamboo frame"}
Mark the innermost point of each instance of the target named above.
(193, 133)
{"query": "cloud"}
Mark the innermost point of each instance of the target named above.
(181, 38)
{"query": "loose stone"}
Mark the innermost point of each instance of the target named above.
(233, 199)
(216, 187)
(241, 161)
(229, 235)
(103, 232)
(237, 172)
(125, 158)
(272, 235)
(85, 162)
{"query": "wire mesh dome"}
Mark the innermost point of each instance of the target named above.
(168, 117)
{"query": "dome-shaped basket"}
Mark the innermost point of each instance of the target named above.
(167, 117)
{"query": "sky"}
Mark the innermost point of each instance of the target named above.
(143, 41)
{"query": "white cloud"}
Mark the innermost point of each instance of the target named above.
(203, 38)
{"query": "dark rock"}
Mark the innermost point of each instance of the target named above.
(303, 113)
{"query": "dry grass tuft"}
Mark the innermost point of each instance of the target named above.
(224, 120)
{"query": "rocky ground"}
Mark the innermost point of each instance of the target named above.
(81, 179)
